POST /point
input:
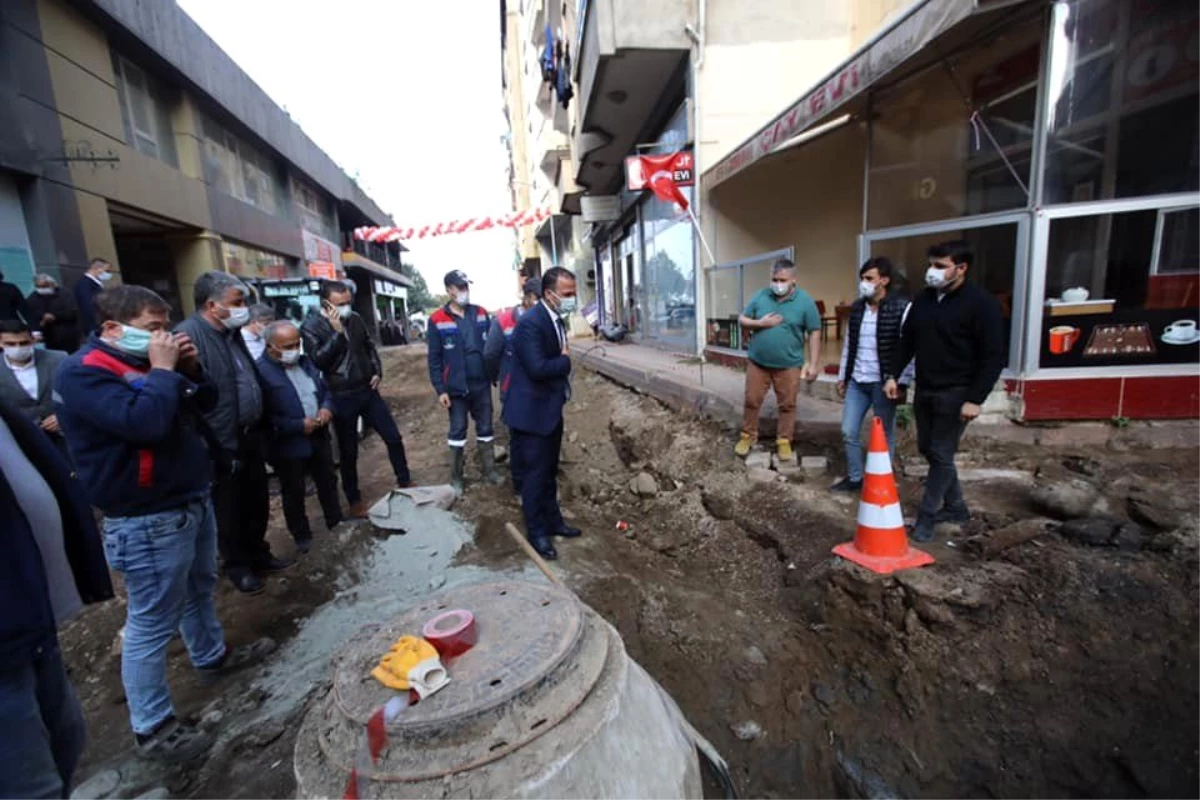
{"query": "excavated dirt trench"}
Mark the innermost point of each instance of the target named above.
(1033, 659)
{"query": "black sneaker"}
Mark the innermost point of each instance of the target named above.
(173, 742)
(303, 545)
(247, 582)
(846, 485)
(922, 531)
(273, 564)
(956, 516)
(235, 658)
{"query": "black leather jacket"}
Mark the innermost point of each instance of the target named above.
(349, 359)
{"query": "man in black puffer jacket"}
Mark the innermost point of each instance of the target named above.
(337, 341)
(872, 337)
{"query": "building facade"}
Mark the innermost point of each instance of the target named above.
(131, 136)
(1058, 137)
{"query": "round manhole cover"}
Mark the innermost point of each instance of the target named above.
(525, 632)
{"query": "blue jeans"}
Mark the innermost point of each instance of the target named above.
(477, 403)
(859, 398)
(169, 561)
(41, 727)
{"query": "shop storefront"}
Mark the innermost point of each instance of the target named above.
(645, 263)
(1061, 141)
(252, 263)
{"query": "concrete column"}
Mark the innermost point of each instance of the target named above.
(189, 138)
(97, 228)
(194, 256)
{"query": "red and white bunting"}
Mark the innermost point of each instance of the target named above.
(515, 219)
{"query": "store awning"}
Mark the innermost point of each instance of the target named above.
(894, 45)
(353, 259)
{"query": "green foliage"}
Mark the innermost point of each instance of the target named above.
(419, 298)
(904, 416)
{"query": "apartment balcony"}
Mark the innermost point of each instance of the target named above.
(552, 148)
(631, 53)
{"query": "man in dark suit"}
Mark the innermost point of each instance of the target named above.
(299, 410)
(86, 288)
(27, 378)
(539, 388)
(52, 314)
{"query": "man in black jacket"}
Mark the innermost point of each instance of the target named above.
(956, 332)
(240, 492)
(52, 314)
(12, 302)
(337, 341)
(53, 564)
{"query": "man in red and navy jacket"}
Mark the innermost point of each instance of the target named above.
(130, 403)
(456, 335)
(497, 351)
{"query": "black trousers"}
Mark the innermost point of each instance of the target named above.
(292, 472)
(538, 457)
(940, 426)
(367, 404)
(243, 507)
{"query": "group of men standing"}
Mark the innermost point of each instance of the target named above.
(169, 435)
(950, 337)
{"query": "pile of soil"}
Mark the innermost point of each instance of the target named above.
(1037, 657)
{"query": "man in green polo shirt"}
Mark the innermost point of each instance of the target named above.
(781, 318)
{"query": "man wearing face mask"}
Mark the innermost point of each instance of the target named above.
(261, 315)
(337, 341)
(782, 318)
(872, 336)
(27, 379)
(956, 332)
(99, 273)
(52, 314)
(130, 403)
(240, 492)
(456, 337)
(299, 410)
(539, 389)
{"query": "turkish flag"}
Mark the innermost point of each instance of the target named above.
(663, 185)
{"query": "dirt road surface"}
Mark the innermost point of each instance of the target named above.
(1035, 658)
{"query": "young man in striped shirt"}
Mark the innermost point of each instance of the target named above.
(872, 336)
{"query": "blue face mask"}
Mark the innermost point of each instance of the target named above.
(134, 341)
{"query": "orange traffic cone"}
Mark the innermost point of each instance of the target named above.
(880, 544)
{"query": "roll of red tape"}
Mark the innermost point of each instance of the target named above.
(451, 633)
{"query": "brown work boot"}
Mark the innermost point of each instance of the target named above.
(358, 510)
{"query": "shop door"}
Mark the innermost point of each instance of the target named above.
(147, 260)
(629, 268)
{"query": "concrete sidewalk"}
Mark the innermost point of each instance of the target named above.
(710, 390)
(717, 392)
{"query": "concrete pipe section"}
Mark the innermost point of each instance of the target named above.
(547, 704)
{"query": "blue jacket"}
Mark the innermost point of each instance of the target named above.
(538, 386)
(134, 433)
(447, 359)
(282, 409)
(27, 618)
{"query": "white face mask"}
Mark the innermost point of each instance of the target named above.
(344, 310)
(866, 289)
(289, 357)
(237, 317)
(935, 277)
(45, 291)
(19, 354)
(780, 288)
(105, 276)
(463, 298)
